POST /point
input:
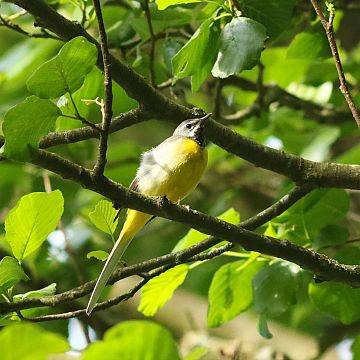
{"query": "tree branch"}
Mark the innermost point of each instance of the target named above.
(106, 107)
(329, 30)
(194, 253)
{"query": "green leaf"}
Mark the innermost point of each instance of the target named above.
(160, 289)
(275, 15)
(30, 342)
(66, 71)
(339, 300)
(241, 43)
(163, 4)
(231, 291)
(275, 287)
(25, 124)
(311, 44)
(29, 223)
(331, 235)
(318, 209)
(193, 236)
(197, 353)
(46, 291)
(355, 348)
(11, 273)
(198, 55)
(103, 217)
(263, 327)
(98, 254)
(134, 340)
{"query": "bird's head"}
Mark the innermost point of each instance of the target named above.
(193, 129)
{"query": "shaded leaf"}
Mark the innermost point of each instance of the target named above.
(231, 291)
(275, 287)
(25, 124)
(198, 55)
(159, 290)
(134, 340)
(241, 43)
(34, 217)
(331, 235)
(355, 348)
(263, 327)
(66, 71)
(275, 15)
(11, 273)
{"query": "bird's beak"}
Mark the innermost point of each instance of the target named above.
(202, 119)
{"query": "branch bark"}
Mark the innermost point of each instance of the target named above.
(329, 30)
(106, 106)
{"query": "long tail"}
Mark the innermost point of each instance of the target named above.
(134, 222)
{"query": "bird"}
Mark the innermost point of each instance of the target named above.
(172, 169)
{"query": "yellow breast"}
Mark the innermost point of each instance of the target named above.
(178, 167)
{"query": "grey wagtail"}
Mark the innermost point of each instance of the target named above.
(172, 169)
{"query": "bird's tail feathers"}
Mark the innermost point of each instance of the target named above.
(111, 262)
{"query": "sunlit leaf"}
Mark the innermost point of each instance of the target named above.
(30, 341)
(46, 291)
(193, 236)
(98, 254)
(11, 273)
(231, 291)
(34, 217)
(160, 289)
(134, 340)
(103, 217)
(163, 4)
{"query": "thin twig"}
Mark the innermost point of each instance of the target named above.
(329, 30)
(107, 107)
(146, 8)
(6, 21)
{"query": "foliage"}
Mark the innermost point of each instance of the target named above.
(266, 71)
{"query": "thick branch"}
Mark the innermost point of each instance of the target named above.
(107, 104)
(329, 30)
(296, 168)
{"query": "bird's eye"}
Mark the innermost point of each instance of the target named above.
(188, 126)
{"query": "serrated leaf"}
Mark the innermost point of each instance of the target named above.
(159, 290)
(34, 217)
(311, 44)
(198, 55)
(241, 43)
(231, 291)
(25, 124)
(134, 340)
(275, 15)
(193, 236)
(103, 217)
(98, 254)
(30, 341)
(275, 287)
(66, 71)
(46, 291)
(11, 273)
